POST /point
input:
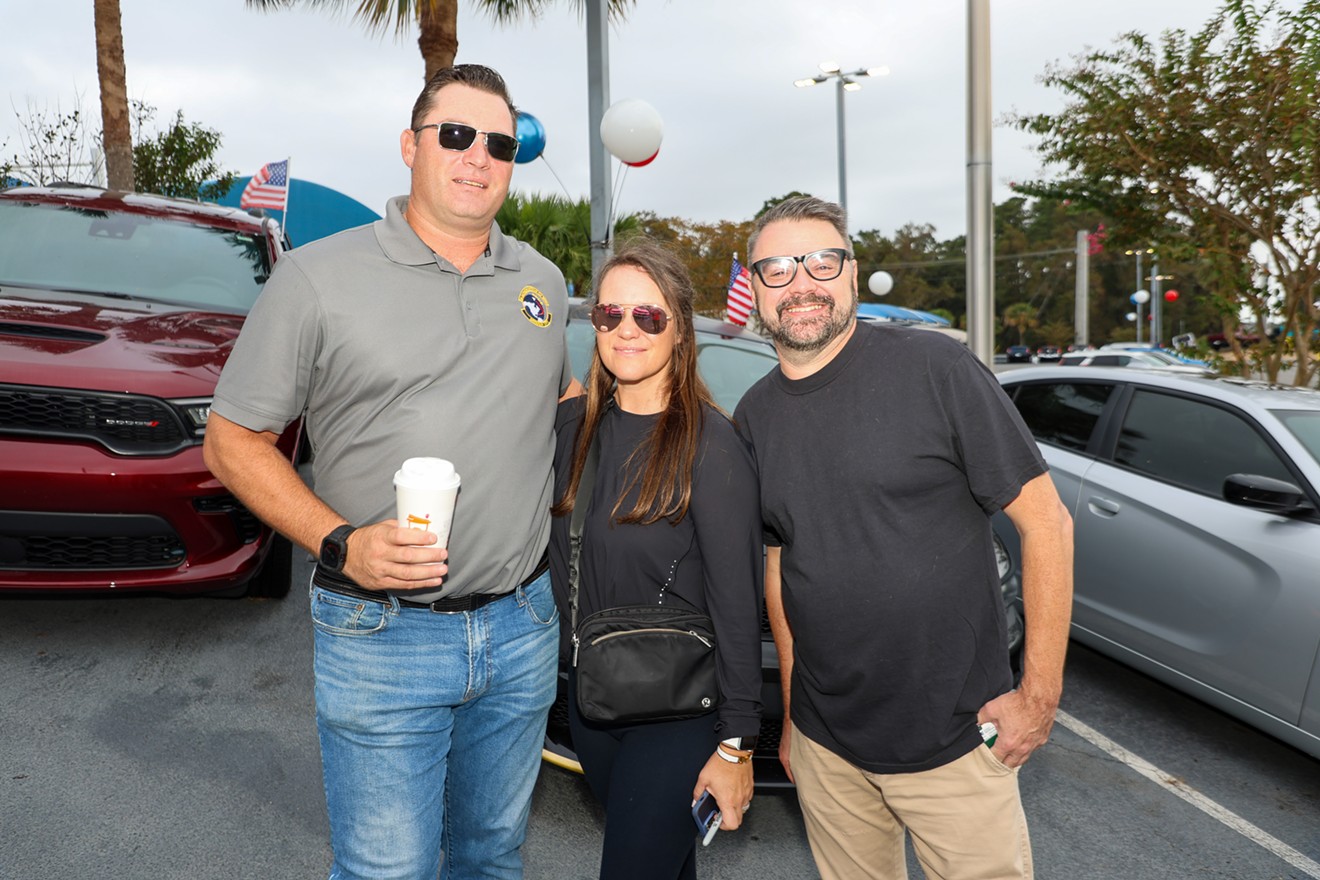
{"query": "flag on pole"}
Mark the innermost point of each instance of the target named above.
(741, 303)
(268, 188)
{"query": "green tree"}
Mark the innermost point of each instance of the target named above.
(179, 161)
(437, 20)
(1021, 317)
(1208, 146)
(770, 203)
(926, 274)
(560, 230)
(116, 136)
(706, 249)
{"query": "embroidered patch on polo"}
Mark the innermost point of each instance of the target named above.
(534, 306)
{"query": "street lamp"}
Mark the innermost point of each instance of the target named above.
(845, 83)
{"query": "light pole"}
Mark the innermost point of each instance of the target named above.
(1139, 252)
(845, 83)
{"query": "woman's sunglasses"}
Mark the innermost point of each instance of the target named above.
(649, 319)
(459, 137)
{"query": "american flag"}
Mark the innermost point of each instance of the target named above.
(268, 188)
(741, 303)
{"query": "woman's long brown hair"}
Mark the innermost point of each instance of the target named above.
(663, 464)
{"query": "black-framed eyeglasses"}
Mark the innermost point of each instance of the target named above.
(822, 265)
(651, 320)
(459, 137)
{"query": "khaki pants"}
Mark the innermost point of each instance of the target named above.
(965, 818)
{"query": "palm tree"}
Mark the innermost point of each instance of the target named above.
(116, 136)
(1020, 316)
(560, 230)
(437, 20)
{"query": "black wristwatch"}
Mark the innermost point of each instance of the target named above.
(334, 548)
(741, 743)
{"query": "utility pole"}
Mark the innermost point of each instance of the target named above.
(598, 101)
(980, 205)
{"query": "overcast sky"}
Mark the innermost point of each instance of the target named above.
(322, 90)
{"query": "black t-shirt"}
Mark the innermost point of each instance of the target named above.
(878, 475)
(711, 559)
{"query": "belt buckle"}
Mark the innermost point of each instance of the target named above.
(435, 610)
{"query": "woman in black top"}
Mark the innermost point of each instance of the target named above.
(674, 518)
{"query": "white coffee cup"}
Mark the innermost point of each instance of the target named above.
(425, 490)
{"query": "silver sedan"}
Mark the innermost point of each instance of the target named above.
(1196, 506)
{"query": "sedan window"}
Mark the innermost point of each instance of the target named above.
(729, 371)
(1193, 444)
(1063, 414)
(1305, 426)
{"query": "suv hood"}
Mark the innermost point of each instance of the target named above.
(89, 341)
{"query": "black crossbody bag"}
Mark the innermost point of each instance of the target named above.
(637, 663)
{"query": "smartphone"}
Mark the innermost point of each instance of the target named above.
(706, 813)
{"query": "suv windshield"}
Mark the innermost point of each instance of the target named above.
(132, 255)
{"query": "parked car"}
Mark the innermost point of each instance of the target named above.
(1196, 511)
(117, 311)
(1142, 360)
(1172, 356)
(1048, 353)
(1018, 354)
(730, 360)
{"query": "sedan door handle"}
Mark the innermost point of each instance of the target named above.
(1103, 506)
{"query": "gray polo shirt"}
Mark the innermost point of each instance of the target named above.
(390, 353)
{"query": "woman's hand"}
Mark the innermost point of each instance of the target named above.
(731, 786)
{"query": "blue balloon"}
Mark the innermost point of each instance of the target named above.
(531, 138)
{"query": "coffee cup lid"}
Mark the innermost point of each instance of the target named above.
(433, 471)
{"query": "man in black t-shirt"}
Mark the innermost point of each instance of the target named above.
(881, 454)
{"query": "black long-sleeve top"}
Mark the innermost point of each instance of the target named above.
(711, 559)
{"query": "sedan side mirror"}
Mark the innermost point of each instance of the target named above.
(1266, 494)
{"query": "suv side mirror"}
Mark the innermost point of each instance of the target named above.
(1266, 494)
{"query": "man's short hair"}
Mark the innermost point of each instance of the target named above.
(474, 76)
(802, 208)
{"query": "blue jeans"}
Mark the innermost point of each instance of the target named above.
(431, 728)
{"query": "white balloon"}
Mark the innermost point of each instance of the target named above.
(631, 130)
(880, 283)
(1131, 316)
(1140, 297)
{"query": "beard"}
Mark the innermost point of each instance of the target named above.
(812, 334)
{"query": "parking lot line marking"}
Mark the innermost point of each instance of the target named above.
(1180, 788)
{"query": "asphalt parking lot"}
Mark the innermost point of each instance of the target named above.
(165, 738)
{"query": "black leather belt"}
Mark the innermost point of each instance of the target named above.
(337, 583)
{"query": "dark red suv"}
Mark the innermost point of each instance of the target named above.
(117, 311)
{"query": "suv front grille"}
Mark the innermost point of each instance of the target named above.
(32, 541)
(127, 424)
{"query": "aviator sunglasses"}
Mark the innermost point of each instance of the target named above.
(459, 137)
(651, 320)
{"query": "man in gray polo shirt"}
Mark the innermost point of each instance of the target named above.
(428, 333)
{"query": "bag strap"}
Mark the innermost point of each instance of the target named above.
(580, 501)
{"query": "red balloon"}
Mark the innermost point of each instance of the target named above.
(644, 161)
(1170, 295)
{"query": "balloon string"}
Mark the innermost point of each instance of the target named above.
(586, 229)
(614, 202)
(556, 176)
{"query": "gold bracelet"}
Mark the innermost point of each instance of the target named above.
(733, 757)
